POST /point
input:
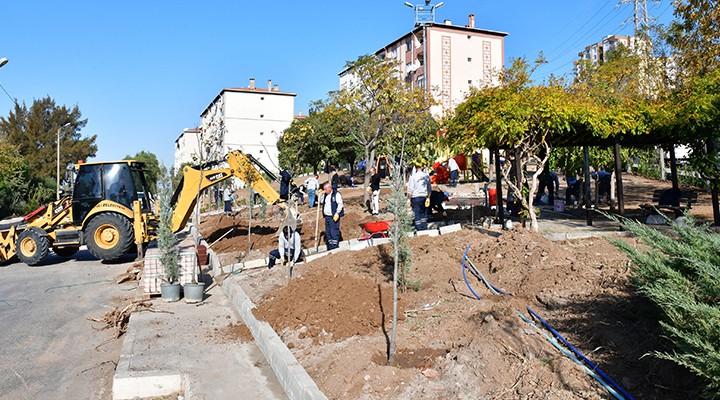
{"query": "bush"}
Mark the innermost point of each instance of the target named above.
(680, 273)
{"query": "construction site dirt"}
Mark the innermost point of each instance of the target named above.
(335, 313)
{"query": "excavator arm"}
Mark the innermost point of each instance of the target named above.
(197, 178)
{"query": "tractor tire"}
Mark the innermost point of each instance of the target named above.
(65, 251)
(109, 236)
(32, 246)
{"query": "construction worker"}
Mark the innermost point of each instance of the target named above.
(454, 171)
(418, 192)
(312, 185)
(375, 188)
(288, 249)
(332, 203)
(227, 199)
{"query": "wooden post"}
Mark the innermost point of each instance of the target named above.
(586, 185)
(618, 181)
(673, 168)
(498, 189)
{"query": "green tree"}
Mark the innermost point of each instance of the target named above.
(152, 167)
(14, 180)
(694, 34)
(34, 132)
(377, 104)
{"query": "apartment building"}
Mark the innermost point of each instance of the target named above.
(251, 119)
(597, 52)
(444, 59)
(186, 147)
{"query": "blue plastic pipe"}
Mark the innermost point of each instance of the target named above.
(581, 355)
(558, 346)
(465, 275)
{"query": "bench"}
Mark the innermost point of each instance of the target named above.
(674, 200)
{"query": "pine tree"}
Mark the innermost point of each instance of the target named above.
(167, 242)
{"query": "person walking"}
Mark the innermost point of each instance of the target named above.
(217, 197)
(334, 178)
(418, 192)
(227, 199)
(311, 185)
(454, 171)
(332, 211)
(285, 185)
(375, 189)
(289, 248)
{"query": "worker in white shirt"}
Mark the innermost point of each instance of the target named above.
(454, 172)
(289, 249)
(418, 192)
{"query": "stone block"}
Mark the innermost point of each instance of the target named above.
(450, 228)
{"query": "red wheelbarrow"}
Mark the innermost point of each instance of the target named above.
(376, 229)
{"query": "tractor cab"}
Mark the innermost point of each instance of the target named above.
(121, 182)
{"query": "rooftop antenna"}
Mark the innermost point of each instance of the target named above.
(424, 13)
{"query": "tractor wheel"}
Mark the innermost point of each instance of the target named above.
(109, 236)
(66, 251)
(32, 246)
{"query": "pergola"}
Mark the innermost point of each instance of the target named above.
(584, 139)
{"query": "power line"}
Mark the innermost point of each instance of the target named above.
(578, 31)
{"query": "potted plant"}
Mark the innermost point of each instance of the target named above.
(194, 290)
(167, 242)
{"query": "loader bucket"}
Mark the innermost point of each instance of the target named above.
(7, 243)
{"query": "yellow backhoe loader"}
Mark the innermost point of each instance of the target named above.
(111, 210)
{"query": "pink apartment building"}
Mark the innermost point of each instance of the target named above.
(445, 59)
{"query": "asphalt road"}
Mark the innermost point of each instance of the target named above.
(48, 349)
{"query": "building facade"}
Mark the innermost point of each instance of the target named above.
(250, 119)
(445, 59)
(598, 52)
(186, 147)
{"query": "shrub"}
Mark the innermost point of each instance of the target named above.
(680, 273)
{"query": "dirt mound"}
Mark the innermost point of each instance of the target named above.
(336, 313)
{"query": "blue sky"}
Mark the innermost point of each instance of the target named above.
(141, 71)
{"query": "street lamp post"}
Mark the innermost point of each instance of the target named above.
(57, 180)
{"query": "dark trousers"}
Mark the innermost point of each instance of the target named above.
(332, 233)
(454, 176)
(275, 255)
(420, 212)
(543, 184)
(228, 207)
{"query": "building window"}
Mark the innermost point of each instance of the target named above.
(262, 133)
(262, 115)
(409, 44)
(262, 98)
(469, 36)
(261, 151)
(469, 82)
(469, 59)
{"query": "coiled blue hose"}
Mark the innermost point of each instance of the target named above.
(581, 355)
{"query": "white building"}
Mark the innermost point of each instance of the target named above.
(186, 147)
(445, 59)
(251, 119)
(598, 52)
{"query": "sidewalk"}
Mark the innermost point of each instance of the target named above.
(188, 350)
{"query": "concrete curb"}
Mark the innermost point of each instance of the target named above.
(292, 376)
(295, 381)
(130, 385)
(583, 235)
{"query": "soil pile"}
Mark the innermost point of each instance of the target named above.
(336, 313)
